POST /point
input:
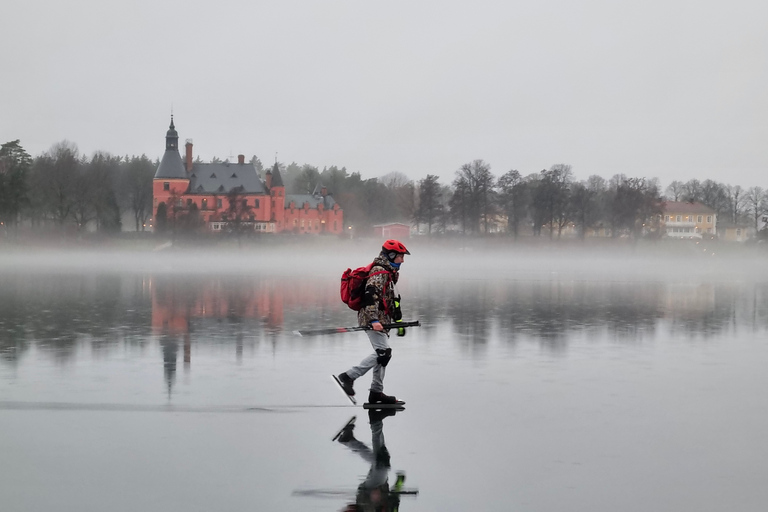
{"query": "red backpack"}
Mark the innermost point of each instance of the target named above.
(353, 285)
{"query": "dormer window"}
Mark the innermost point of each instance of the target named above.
(213, 176)
(233, 175)
(220, 189)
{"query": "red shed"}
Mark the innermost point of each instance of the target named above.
(392, 230)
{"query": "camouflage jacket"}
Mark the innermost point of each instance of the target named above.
(379, 299)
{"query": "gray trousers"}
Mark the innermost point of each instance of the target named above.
(379, 341)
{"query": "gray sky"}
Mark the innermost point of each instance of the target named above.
(670, 89)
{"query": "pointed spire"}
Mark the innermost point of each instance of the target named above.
(277, 180)
(171, 165)
(172, 137)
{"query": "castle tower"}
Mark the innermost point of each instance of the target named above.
(171, 177)
(277, 193)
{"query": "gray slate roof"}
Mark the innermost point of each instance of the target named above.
(313, 200)
(220, 178)
(171, 166)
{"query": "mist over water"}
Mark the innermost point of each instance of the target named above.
(543, 377)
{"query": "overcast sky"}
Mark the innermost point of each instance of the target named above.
(670, 89)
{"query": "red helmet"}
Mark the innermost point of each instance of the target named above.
(394, 246)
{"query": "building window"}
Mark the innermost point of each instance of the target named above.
(204, 203)
(180, 203)
(218, 203)
(738, 232)
(709, 219)
(295, 222)
(256, 203)
(189, 202)
(679, 218)
(666, 218)
(698, 219)
(302, 223)
(166, 185)
(245, 203)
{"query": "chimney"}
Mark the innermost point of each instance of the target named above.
(240, 159)
(268, 179)
(189, 155)
(323, 191)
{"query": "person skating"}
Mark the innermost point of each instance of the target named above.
(381, 306)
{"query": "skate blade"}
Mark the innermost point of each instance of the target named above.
(350, 422)
(399, 405)
(351, 398)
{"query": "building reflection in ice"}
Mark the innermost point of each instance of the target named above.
(57, 313)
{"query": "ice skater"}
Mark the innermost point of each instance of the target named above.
(381, 306)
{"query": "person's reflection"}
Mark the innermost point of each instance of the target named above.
(170, 348)
(374, 493)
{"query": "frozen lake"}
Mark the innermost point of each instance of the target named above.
(181, 387)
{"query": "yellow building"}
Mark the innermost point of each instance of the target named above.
(740, 232)
(688, 220)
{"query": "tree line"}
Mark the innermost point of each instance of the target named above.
(62, 188)
(66, 189)
(549, 202)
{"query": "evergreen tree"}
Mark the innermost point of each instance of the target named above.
(430, 208)
(15, 164)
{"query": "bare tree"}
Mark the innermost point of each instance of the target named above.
(549, 199)
(675, 190)
(403, 193)
(472, 201)
(54, 178)
(83, 194)
(584, 206)
(394, 180)
(513, 198)
(307, 179)
(238, 214)
(136, 188)
(736, 201)
(715, 196)
(692, 192)
(756, 204)
(634, 204)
